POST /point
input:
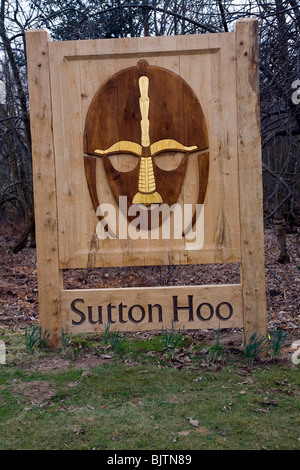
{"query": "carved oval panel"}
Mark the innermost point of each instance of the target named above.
(144, 122)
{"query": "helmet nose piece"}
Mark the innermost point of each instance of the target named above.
(147, 193)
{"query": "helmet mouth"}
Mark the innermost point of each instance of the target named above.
(147, 198)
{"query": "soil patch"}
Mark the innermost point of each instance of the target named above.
(19, 286)
(36, 392)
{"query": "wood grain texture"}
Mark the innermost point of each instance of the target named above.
(44, 179)
(174, 111)
(142, 309)
(250, 179)
(203, 92)
(172, 118)
(78, 69)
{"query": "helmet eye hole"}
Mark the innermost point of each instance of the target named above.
(124, 162)
(169, 161)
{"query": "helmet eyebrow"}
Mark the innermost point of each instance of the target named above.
(123, 146)
(169, 145)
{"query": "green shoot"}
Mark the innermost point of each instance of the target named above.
(171, 340)
(277, 339)
(256, 345)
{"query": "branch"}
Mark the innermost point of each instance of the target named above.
(206, 27)
(16, 74)
(222, 12)
(284, 200)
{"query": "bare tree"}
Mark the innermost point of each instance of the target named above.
(280, 117)
(15, 140)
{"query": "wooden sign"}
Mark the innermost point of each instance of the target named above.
(145, 112)
(146, 151)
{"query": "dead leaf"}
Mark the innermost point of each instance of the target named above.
(183, 433)
(260, 410)
(202, 430)
(228, 407)
(73, 384)
(193, 422)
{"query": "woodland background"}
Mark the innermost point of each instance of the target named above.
(279, 39)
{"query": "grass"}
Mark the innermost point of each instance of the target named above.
(277, 339)
(171, 339)
(34, 337)
(254, 346)
(142, 400)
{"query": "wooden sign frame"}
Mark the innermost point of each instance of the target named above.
(234, 237)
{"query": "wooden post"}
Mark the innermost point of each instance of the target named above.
(250, 179)
(49, 274)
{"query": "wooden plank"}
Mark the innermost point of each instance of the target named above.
(148, 308)
(49, 275)
(68, 138)
(250, 179)
(151, 46)
(96, 62)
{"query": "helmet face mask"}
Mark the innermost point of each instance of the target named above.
(137, 117)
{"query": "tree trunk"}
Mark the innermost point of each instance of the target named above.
(284, 256)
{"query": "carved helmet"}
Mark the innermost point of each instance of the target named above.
(142, 113)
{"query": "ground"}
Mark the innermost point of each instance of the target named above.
(91, 397)
(19, 289)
